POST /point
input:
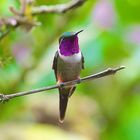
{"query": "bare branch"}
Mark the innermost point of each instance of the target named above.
(60, 8)
(104, 73)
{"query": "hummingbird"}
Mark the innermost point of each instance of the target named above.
(67, 64)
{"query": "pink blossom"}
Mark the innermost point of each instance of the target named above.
(133, 35)
(103, 14)
(21, 53)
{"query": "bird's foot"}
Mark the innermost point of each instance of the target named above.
(79, 81)
(62, 85)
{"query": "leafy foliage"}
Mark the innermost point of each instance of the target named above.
(105, 109)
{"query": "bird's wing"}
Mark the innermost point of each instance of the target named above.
(54, 66)
(83, 61)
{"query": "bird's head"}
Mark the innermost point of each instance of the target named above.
(68, 43)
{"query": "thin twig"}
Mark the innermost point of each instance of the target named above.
(104, 73)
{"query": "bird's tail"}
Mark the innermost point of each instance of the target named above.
(63, 101)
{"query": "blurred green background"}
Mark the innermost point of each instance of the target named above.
(104, 109)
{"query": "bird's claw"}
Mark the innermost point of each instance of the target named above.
(78, 81)
(3, 98)
(62, 85)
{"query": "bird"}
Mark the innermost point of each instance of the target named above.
(67, 65)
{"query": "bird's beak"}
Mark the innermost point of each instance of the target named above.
(79, 32)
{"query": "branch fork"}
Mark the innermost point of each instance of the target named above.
(24, 16)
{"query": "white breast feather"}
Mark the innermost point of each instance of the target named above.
(72, 59)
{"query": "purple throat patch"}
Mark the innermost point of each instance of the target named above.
(69, 46)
